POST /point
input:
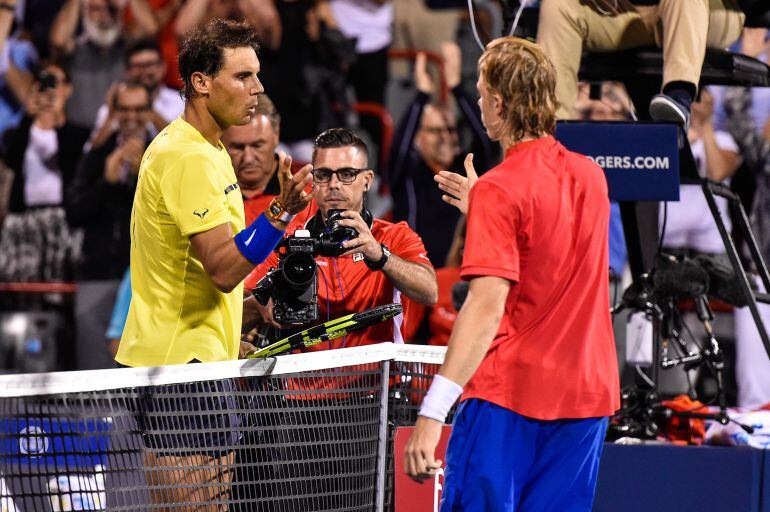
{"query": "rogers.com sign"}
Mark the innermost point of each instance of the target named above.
(650, 163)
(640, 160)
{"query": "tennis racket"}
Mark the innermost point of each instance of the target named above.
(330, 330)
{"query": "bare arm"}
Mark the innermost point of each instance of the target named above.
(415, 280)
(472, 335)
(190, 15)
(720, 163)
(255, 314)
(221, 258)
(263, 16)
(6, 22)
(145, 24)
(475, 328)
(251, 316)
(64, 26)
(324, 12)
(216, 247)
(19, 81)
(107, 129)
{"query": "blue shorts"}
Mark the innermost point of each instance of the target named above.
(188, 418)
(498, 460)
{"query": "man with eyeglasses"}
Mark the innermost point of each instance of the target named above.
(99, 201)
(386, 263)
(144, 66)
(426, 143)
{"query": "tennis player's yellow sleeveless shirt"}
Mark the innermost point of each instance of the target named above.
(186, 186)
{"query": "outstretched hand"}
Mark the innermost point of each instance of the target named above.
(293, 194)
(456, 186)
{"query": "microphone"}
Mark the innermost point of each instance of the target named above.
(676, 278)
(723, 281)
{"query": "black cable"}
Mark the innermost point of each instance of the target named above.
(663, 228)
(614, 275)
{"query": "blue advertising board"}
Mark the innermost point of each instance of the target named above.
(62, 459)
(640, 160)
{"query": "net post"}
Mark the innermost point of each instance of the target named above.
(382, 449)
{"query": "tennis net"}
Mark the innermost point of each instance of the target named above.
(306, 432)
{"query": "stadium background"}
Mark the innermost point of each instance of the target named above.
(357, 63)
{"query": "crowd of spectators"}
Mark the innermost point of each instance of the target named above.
(86, 84)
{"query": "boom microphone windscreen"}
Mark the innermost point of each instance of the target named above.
(679, 278)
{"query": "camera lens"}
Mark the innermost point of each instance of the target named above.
(337, 233)
(299, 269)
(333, 216)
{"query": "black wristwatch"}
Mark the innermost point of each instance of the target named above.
(374, 266)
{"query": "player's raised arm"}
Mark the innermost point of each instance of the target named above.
(228, 259)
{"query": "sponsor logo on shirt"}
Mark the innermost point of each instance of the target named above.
(201, 213)
(230, 188)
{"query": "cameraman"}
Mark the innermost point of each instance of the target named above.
(382, 262)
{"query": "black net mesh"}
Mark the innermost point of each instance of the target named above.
(297, 442)
(409, 382)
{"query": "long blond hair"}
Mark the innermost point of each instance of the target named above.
(520, 73)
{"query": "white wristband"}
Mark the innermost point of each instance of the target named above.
(442, 395)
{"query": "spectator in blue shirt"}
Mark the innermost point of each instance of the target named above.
(119, 313)
(18, 59)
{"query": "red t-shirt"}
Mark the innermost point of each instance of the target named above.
(540, 220)
(442, 316)
(346, 285)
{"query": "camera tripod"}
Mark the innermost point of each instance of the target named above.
(643, 409)
(709, 355)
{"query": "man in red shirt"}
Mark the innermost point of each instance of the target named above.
(532, 351)
(386, 263)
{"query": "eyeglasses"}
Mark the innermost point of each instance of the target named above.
(346, 175)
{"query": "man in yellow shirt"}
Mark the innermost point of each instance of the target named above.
(187, 267)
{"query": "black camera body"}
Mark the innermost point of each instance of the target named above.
(293, 285)
(46, 80)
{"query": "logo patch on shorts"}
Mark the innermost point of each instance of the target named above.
(358, 256)
(201, 213)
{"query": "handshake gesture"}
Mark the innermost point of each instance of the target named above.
(457, 188)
